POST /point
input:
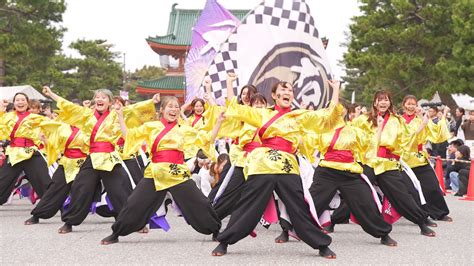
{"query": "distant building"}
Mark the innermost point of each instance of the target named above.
(175, 44)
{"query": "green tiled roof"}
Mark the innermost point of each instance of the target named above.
(181, 23)
(166, 82)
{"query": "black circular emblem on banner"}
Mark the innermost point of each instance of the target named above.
(298, 64)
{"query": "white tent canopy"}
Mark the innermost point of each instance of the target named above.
(9, 92)
(463, 100)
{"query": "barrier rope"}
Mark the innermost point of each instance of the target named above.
(449, 160)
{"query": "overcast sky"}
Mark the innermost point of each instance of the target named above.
(127, 23)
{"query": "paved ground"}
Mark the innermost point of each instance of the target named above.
(40, 244)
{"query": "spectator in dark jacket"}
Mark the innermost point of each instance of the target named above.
(463, 153)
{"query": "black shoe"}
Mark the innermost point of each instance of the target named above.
(282, 238)
(32, 220)
(326, 253)
(458, 195)
(426, 231)
(66, 228)
(220, 250)
(446, 219)
(430, 223)
(112, 239)
(388, 241)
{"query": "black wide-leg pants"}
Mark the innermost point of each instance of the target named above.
(400, 192)
(254, 199)
(145, 200)
(226, 203)
(36, 170)
(436, 206)
(53, 200)
(135, 169)
(357, 195)
(116, 183)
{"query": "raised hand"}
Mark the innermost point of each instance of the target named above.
(3, 105)
(446, 111)
(335, 85)
(86, 103)
(156, 98)
(47, 91)
(207, 82)
(231, 77)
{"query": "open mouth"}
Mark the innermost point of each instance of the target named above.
(100, 105)
(286, 99)
(172, 115)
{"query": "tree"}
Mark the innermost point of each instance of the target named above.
(95, 69)
(145, 73)
(410, 47)
(29, 40)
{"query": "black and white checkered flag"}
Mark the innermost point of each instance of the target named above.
(277, 41)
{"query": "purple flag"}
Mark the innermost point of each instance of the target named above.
(211, 29)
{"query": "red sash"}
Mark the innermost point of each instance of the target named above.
(341, 156)
(73, 153)
(383, 151)
(100, 146)
(168, 156)
(20, 142)
(252, 145)
(196, 119)
(276, 143)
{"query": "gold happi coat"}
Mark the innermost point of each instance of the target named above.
(57, 135)
(414, 154)
(190, 150)
(109, 131)
(230, 128)
(350, 139)
(290, 126)
(165, 174)
(395, 137)
(29, 128)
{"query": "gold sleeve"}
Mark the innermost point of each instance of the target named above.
(3, 128)
(135, 138)
(437, 133)
(137, 114)
(249, 115)
(322, 120)
(407, 139)
(210, 115)
(309, 144)
(202, 140)
(363, 141)
(73, 114)
(55, 133)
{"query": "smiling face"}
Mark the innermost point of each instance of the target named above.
(170, 110)
(245, 96)
(382, 104)
(198, 108)
(410, 106)
(283, 95)
(20, 102)
(102, 102)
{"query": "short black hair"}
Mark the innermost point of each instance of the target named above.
(457, 142)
